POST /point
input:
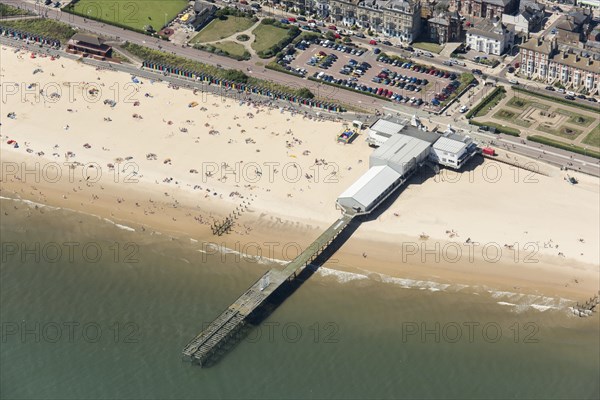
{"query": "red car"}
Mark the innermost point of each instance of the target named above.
(372, 41)
(337, 36)
(379, 91)
(333, 27)
(292, 19)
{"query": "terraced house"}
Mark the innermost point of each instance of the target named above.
(541, 60)
(484, 8)
(395, 18)
(308, 7)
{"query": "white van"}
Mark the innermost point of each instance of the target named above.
(357, 124)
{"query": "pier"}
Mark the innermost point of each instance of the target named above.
(219, 333)
(390, 167)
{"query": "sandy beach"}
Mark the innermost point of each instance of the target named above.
(157, 158)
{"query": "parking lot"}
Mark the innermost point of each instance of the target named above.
(403, 82)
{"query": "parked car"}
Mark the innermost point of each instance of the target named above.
(569, 97)
(550, 88)
(477, 71)
(373, 42)
(513, 81)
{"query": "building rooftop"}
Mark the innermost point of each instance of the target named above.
(386, 128)
(487, 28)
(430, 137)
(366, 189)
(440, 20)
(577, 61)
(401, 149)
(88, 38)
(452, 143)
(503, 3)
(539, 45)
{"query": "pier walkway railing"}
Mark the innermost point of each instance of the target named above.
(219, 332)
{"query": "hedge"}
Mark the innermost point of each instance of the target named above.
(564, 146)
(557, 99)
(485, 101)
(215, 50)
(500, 128)
(234, 75)
(292, 32)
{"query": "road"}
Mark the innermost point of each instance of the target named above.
(354, 99)
(537, 151)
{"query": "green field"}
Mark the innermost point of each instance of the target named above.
(562, 131)
(487, 103)
(576, 119)
(267, 36)
(135, 14)
(431, 47)
(593, 138)
(219, 29)
(521, 103)
(43, 27)
(512, 117)
(10, 11)
(232, 48)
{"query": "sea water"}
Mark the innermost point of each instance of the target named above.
(95, 310)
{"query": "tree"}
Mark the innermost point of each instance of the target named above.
(306, 93)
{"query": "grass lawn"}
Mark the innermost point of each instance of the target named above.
(431, 47)
(522, 103)
(43, 27)
(493, 102)
(512, 117)
(134, 14)
(233, 48)
(576, 119)
(593, 138)
(267, 36)
(562, 131)
(10, 11)
(219, 29)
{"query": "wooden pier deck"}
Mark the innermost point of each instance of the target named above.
(219, 332)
